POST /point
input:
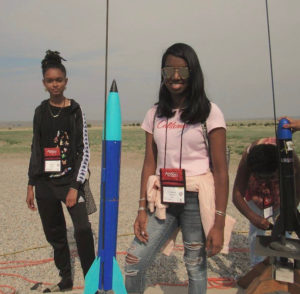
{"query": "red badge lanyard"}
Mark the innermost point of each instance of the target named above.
(172, 180)
(166, 138)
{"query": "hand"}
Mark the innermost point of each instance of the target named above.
(30, 198)
(214, 241)
(260, 222)
(294, 124)
(71, 198)
(140, 226)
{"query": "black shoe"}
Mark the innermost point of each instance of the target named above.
(64, 285)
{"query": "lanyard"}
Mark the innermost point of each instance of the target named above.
(166, 138)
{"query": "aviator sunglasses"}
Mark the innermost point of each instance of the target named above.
(169, 71)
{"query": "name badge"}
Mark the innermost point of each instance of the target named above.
(268, 212)
(52, 160)
(172, 181)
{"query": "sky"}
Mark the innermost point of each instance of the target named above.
(229, 36)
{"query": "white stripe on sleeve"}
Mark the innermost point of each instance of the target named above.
(86, 153)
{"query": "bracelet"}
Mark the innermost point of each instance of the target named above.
(142, 208)
(221, 213)
(142, 199)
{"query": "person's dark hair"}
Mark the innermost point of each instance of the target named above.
(197, 106)
(53, 59)
(263, 159)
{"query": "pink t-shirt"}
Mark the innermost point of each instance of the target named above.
(195, 158)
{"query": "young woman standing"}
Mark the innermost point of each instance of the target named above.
(58, 167)
(175, 147)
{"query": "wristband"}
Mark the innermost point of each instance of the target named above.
(142, 208)
(142, 199)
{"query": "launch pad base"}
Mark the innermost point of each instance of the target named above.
(261, 278)
(262, 247)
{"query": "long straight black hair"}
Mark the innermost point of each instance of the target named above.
(196, 106)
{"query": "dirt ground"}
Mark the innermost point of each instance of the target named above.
(22, 237)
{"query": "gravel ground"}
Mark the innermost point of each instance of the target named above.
(22, 238)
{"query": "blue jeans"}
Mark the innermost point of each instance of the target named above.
(141, 255)
(254, 231)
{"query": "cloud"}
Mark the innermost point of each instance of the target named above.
(230, 38)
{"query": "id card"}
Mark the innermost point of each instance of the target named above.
(172, 182)
(52, 160)
(173, 195)
(268, 212)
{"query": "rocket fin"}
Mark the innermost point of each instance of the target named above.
(117, 283)
(91, 283)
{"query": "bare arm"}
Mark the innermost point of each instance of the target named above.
(149, 168)
(149, 165)
(239, 190)
(217, 140)
(30, 198)
(240, 186)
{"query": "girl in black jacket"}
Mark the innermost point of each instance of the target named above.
(58, 167)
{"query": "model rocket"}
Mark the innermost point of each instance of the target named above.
(105, 273)
(289, 218)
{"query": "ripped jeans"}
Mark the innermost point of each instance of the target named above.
(140, 255)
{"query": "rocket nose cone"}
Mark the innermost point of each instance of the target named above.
(113, 87)
(283, 133)
(284, 121)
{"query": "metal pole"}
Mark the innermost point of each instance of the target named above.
(271, 67)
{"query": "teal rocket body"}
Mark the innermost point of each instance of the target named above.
(113, 118)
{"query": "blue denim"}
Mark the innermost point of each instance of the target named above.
(254, 231)
(188, 218)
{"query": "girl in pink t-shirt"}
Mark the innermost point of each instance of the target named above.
(175, 147)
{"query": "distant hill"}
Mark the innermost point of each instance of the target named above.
(95, 123)
(15, 124)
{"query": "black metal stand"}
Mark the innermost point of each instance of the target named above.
(261, 279)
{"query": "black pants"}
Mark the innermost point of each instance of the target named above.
(49, 198)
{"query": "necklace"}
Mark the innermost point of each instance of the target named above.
(56, 115)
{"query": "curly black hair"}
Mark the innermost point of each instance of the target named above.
(263, 159)
(53, 59)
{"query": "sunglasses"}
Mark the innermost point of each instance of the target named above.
(169, 71)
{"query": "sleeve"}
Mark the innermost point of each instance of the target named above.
(82, 151)
(35, 162)
(147, 124)
(215, 119)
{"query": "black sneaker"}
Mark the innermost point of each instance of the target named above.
(65, 284)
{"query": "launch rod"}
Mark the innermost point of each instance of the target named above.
(105, 99)
(104, 138)
(271, 66)
(105, 75)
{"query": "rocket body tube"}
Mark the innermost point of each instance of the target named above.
(110, 178)
(288, 220)
(287, 184)
(105, 273)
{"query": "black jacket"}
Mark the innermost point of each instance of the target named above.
(80, 151)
